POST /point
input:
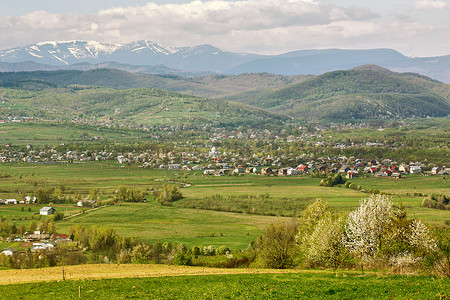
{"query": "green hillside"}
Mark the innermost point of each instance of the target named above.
(362, 93)
(132, 106)
(213, 86)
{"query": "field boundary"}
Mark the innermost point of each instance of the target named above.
(109, 271)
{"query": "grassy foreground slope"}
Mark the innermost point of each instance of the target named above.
(166, 283)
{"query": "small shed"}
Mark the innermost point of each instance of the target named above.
(47, 211)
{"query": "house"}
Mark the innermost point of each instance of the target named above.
(434, 170)
(174, 166)
(302, 169)
(283, 172)
(415, 170)
(10, 251)
(11, 201)
(351, 174)
(186, 168)
(36, 236)
(43, 245)
(208, 172)
(250, 170)
(396, 175)
(444, 171)
(47, 211)
(222, 172)
(239, 170)
(344, 169)
(2, 202)
(266, 171)
(291, 172)
(80, 204)
(403, 168)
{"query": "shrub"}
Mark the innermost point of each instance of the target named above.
(222, 250)
(124, 256)
(209, 250)
(182, 259)
(195, 250)
(76, 258)
(437, 201)
(167, 247)
(141, 253)
(276, 246)
(333, 179)
(169, 194)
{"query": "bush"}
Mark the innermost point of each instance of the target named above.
(195, 250)
(76, 258)
(209, 250)
(182, 259)
(222, 250)
(141, 253)
(169, 194)
(437, 201)
(276, 246)
(333, 179)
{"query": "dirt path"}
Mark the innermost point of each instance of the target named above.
(83, 212)
(104, 271)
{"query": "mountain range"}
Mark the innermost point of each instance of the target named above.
(152, 58)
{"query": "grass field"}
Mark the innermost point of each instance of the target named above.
(48, 133)
(150, 221)
(170, 282)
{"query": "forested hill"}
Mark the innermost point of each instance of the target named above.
(366, 92)
(33, 98)
(214, 86)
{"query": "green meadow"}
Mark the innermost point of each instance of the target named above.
(246, 204)
(307, 285)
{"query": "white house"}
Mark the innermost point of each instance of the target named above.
(11, 201)
(47, 246)
(47, 211)
(30, 200)
(9, 251)
(173, 166)
(292, 171)
(415, 169)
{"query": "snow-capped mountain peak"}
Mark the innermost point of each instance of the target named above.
(70, 52)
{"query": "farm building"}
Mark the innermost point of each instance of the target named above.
(47, 211)
(11, 201)
(9, 251)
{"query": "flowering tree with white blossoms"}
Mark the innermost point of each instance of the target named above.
(378, 229)
(367, 225)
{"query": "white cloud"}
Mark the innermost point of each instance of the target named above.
(264, 26)
(431, 4)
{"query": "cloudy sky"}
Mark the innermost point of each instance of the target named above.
(413, 27)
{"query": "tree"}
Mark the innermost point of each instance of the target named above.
(276, 246)
(367, 226)
(378, 229)
(169, 194)
(141, 253)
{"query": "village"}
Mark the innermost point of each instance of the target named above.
(37, 240)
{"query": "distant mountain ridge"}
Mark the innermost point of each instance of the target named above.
(143, 56)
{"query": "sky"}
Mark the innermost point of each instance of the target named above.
(416, 28)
